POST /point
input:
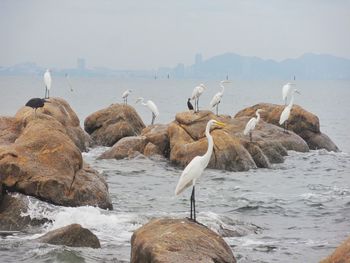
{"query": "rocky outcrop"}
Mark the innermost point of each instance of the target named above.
(109, 125)
(44, 161)
(301, 122)
(340, 255)
(61, 111)
(178, 240)
(153, 141)
(12, 209)
(232, 150)
(72, 236)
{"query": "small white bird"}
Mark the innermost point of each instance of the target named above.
(217, 97)
(196, 167)
(125, 96)
(196, 93)
(151, 105)
(250, 126)
(286, 112)
(48, 82)
(286, 91)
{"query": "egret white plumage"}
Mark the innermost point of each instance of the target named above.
(189, 104)
(286, 91)
(286, 112)
(48, 82)
(217, 97)
(196, 167)
(151, 105)
(125, 96)
(250, 126)
(196, 93)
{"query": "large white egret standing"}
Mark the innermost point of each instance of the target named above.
(196, 93)
(286, 91)
(125, 96)
(152, 106)
(196, 167)
(217, 97)
(48, 82)
(286, 112)
(250, 126)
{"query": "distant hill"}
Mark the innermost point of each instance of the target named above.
(308, 66)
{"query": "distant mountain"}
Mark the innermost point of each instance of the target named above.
(308, 66)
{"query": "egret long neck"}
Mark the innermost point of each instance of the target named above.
(207, 155)
(222, 88)
(258, 116)
(290, 105)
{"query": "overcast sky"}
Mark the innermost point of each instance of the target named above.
(149, 34)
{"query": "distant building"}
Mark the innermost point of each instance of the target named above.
(198, 59)
(81, 64)
(179, 71)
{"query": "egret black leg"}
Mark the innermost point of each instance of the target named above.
(45, 92)
(217, 109)
(191, 205)
(48, 93)
(126, 101)
(153, 117)
(198, 103)
(194, 206)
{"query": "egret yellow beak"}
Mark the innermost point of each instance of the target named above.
(220, 124)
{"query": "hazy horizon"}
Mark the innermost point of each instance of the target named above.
(149, 35)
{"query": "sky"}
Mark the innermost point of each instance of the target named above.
(151, 34)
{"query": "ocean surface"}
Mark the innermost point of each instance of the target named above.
(297, 211)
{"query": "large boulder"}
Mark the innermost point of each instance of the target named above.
(153, 141)
(340, 255)
(301, 122)
(109, 125)
(72, 236)
(232, 150)
(61, 111)
(178, 240)
(12, 209)
(44, 162)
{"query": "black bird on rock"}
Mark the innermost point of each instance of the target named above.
(189, 104)
(36, 103)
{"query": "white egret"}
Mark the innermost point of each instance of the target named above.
(286, 112)
(286, 91)
(189, 104)
(250, 126)
(196, 93)
(150, 104)
(217, 97)
(125, 96)
(48, 82)
(196, 167)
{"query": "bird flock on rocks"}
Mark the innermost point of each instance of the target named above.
(197, 165)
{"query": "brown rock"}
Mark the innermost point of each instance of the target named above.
(157, 135)
(232, 150)
(10, 129)
(72, 236)
(125, 148)
(11, 209)
(61, 111)
(340, 255)
(301, 122)
(109, 125)
(151, 150)
(44, 162)
(178, 240)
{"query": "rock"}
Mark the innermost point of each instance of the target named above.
(301, 122)
(232, 150)
(45, 163)
(11, 209)
(9, 129)
(158, 140)
(72, 236)
(178, 240)
(109, 125)
(61, 111)
(125, 148)
(340, 255)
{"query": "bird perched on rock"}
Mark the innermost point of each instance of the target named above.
(196, 93)
(48, 82)
(152, 107)
(286, 112)
(125, 96)
(217, 97)
(36, 103)
(250, 126)
(189, 104)
(196, 167)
